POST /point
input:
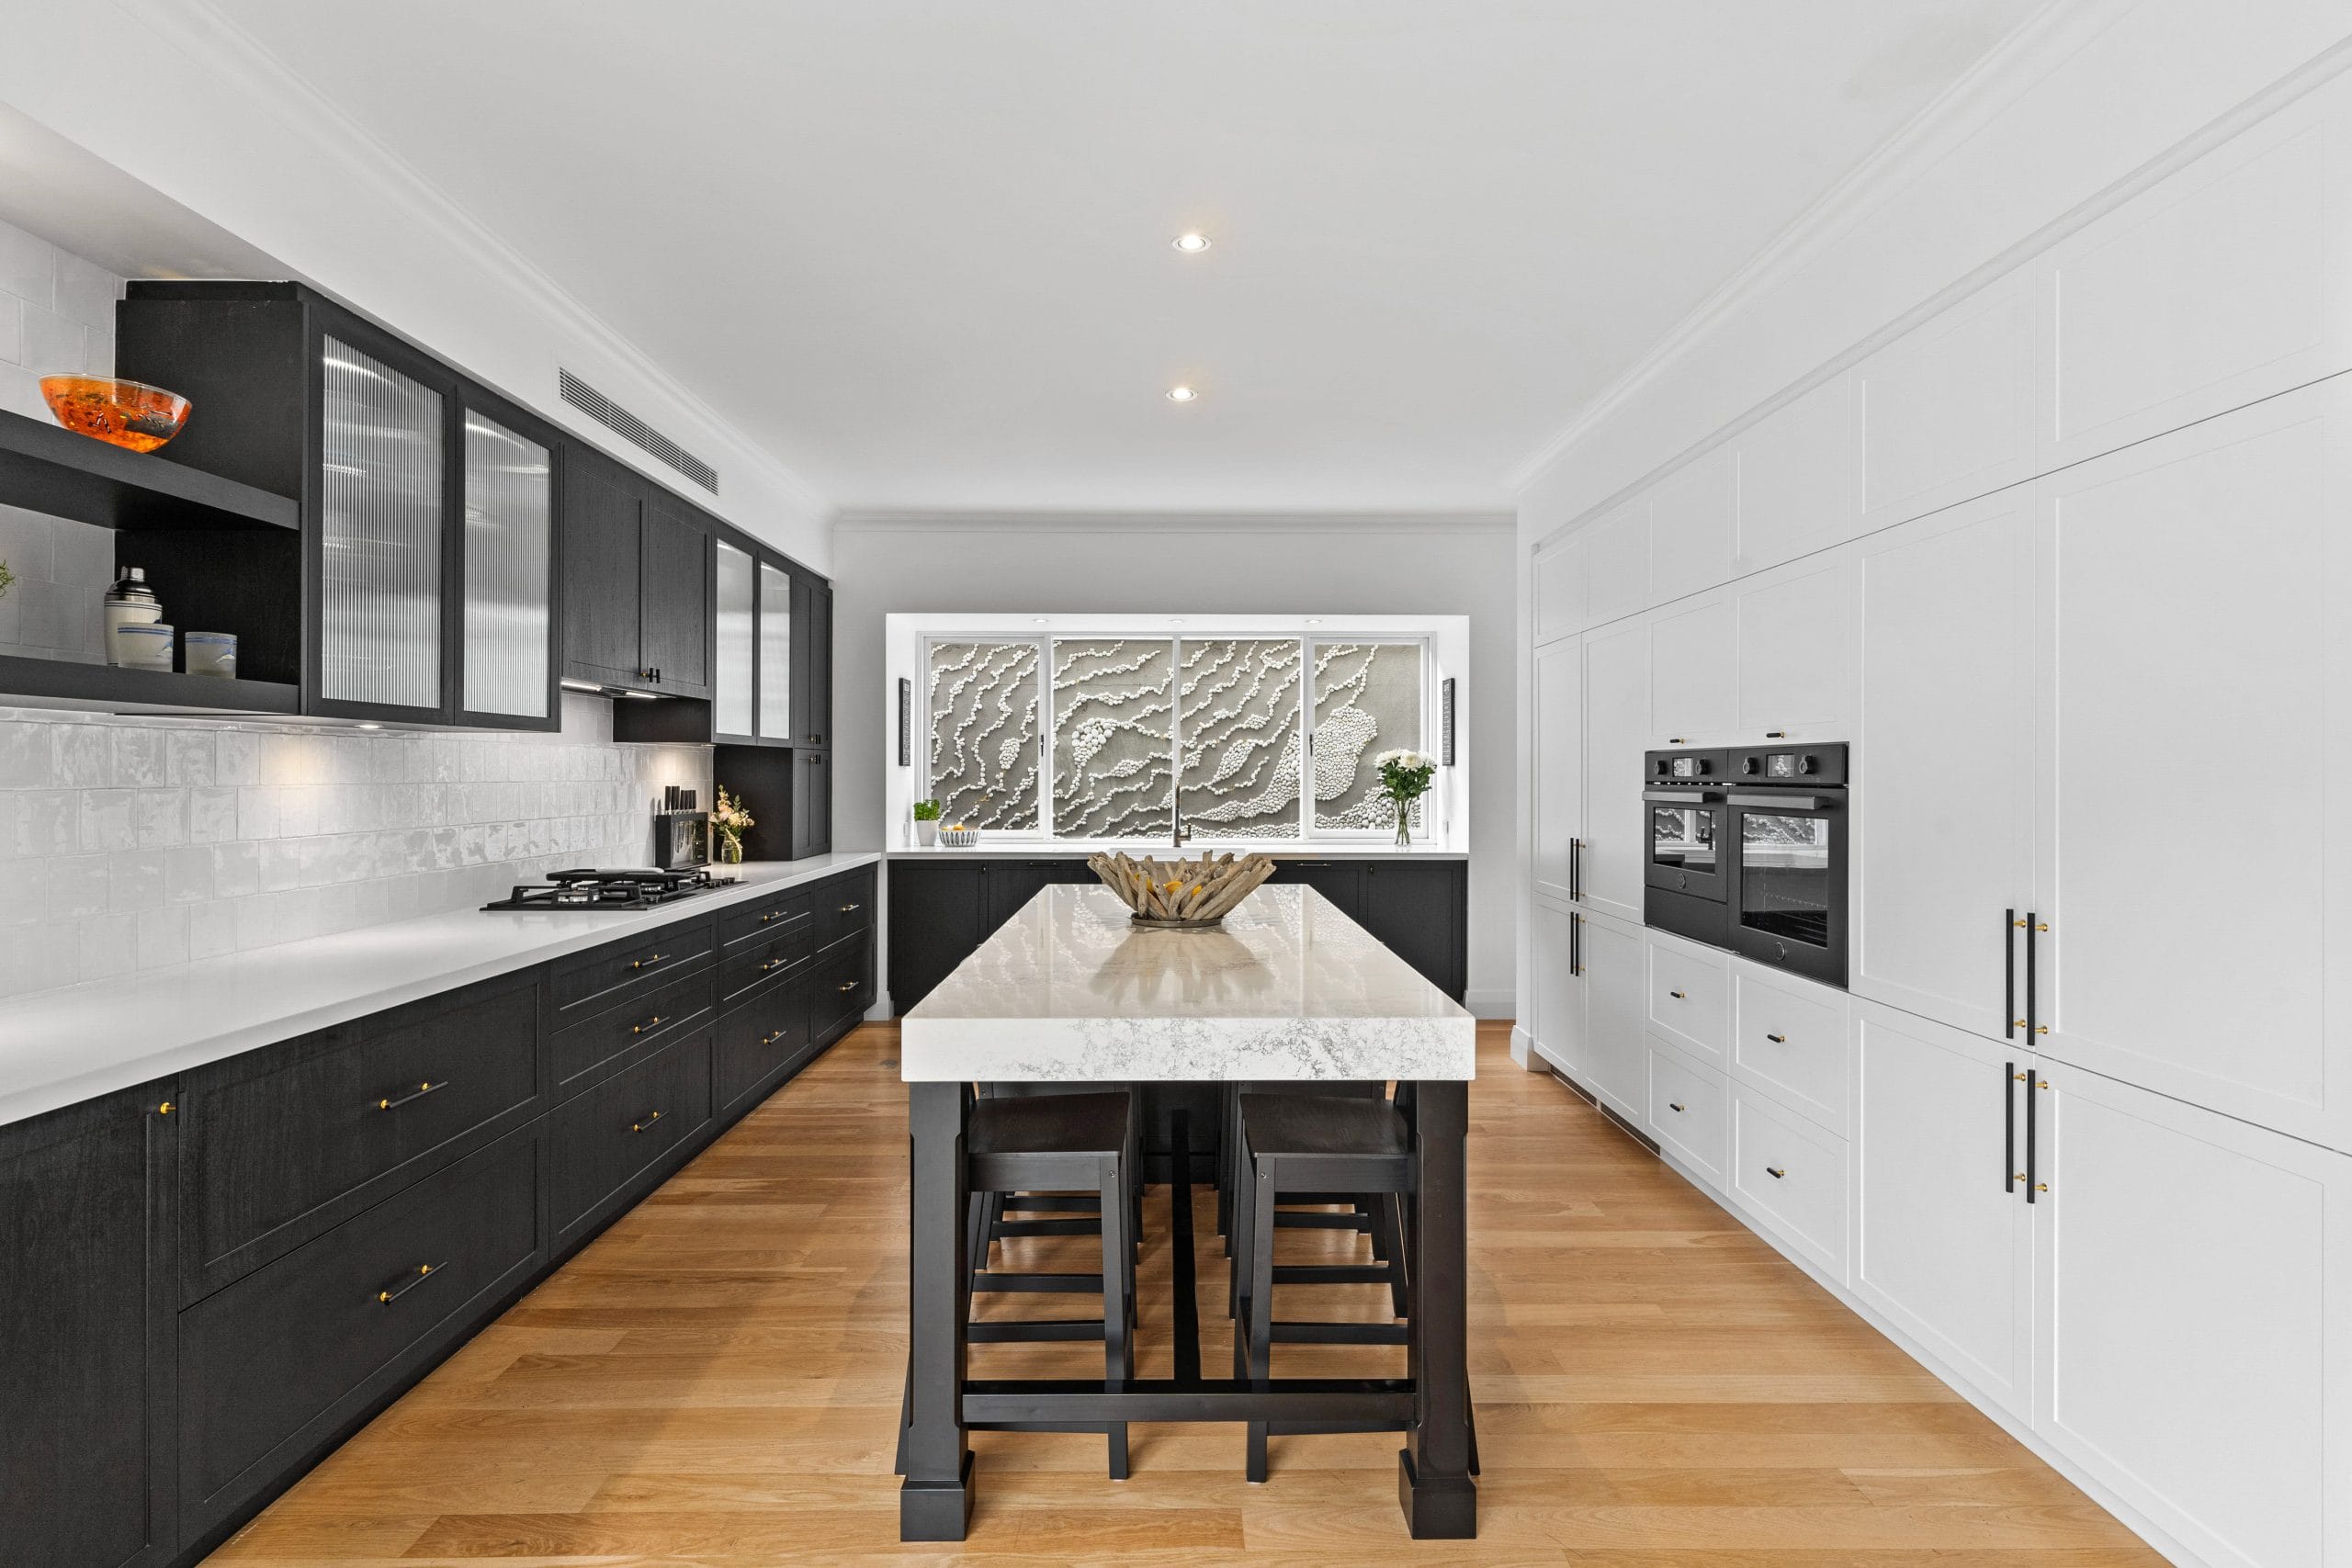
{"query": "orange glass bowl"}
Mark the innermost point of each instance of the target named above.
(127, 414)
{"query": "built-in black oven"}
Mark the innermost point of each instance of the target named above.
(1747, 852)
(1687, 876)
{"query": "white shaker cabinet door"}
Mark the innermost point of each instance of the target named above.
(1617, 563)
(1943, 1236)
(1616, 720)
(1694, 683)
(2226, 282)
(1695, 526)
(1559, 590)
(1945, 412)
(1943, 771)
(1793, 647)
(2195, 870)
(1557, 1028)
(1796, 477)
(1557, 778)
(1616, 1053)
(2194, 1340)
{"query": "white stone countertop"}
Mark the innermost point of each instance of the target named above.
(80, 1042)
(1079, 849)
(1067, 990)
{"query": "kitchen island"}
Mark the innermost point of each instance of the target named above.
(1069, 991)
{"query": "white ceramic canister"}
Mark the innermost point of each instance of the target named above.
(209, 653)
(142, 646)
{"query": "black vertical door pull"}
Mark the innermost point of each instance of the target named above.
(1575, 870)
(2033, 1030)
(2009, 975)
(2009, 1126)
(2032, 1084)
(1575, 944)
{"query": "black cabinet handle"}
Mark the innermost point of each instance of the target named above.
(1777, 1039)
(2035, 1028)
(389, 1104)
(1678, 996)
(648, 1121)
(2032, 1086)
(649, 961)
(653, 1022)
(2009, 1019)
(1672, 1105)
(2009, 1174)
(424, 1272)
(1775, 1172)
(1575, 870)
(1575, 944)
(1776, 735)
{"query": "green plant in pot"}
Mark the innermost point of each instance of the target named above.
(1404, 778)
(926, 822)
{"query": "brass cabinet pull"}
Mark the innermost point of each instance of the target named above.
(648, 1121)
(849, 987)
(653, 1022)
(165, 1109)
(772, 1039)
(1776, 735)
(850, 908)
(770, 965)
(771, 915)
(419, 1093)
(648, 963)
(423, 1272)
(1672, 1105)
(1678, 996)
(1775, 1172)
(1777, 1039)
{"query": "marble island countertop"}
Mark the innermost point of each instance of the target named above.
(80, 1042)
(1288, 987)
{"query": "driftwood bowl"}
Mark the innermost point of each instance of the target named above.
(1188, 894)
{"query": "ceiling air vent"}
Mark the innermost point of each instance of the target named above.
(618, 420)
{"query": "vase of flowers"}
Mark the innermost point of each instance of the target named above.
(727, 821)
(1404, 778)
(926, 822)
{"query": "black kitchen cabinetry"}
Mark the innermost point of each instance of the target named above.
(812, 803)
(637, 590)
(812, 661)
(941, 909)
(420, 585)
(86, 1334)
(212, 1281)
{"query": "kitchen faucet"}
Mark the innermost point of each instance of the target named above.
(1179, 835)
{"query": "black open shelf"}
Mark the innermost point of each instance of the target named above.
(46, 467)
(144, 691)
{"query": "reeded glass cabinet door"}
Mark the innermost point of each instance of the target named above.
(733, 678)
(380, 535)
(510, 533)
(775, 653)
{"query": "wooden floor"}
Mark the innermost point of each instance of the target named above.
(716, 1379)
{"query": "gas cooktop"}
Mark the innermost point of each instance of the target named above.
(626, 890)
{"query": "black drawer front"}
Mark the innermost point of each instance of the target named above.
(840, 991)
(268, 1361)
(768, 918)
(610, 975)
(756, 1042)
(272, 1141)
(642, 1024)
(607, 1138)
(844, 907)
(760, 964)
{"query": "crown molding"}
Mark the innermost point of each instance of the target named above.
(1128, 523)
(215, 43)
(1974, 99)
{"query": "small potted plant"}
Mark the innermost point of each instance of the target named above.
(727, 821)
(1404, 778)
(926, 822)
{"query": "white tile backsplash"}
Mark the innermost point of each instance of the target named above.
(147, 843)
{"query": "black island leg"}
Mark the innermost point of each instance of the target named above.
(1433, 1472)
(935, 1499)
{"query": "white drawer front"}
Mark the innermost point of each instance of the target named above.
(1689, 1111)
(1792, 1176)
(1689, 999)
(1791, 1045)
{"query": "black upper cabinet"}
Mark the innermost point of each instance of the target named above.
(812, 661)
(600, 568)
(812, 803)
(759, 598)
(675, 570)
(88, 1370)
(429, 532)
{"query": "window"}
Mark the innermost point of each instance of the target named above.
(1227, 729)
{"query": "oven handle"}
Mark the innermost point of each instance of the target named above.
(1684, 796)
(1785, 801)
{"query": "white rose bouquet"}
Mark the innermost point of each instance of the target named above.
(1404, 777)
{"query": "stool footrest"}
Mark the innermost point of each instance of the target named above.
(1292, 1219)
(1338, 1332)
(1331, 1274)
(1049, 1284)
(1031, 1331)
(1048, 1227)
(1055, 1203)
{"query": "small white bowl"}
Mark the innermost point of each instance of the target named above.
(959, 838)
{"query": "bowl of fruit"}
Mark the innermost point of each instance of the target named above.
(125, 413)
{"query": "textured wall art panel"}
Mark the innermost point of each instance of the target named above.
(1239, 714)
(984, 745)
(1113, 706)
(1368, 701)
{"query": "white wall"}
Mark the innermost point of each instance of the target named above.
(158, 92)
(2074, 104)
(1207, 566)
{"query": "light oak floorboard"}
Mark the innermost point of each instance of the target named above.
(716, 1381)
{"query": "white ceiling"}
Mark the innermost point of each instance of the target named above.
(920, 248)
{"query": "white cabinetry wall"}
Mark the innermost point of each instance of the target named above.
(2069, 564)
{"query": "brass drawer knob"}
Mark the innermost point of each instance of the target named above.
(165, 1109)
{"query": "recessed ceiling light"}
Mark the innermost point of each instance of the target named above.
(1190, 243)
(1182, 395)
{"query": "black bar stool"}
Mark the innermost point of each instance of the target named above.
(1007, 1214)
(1045, 1143)
(1337, 1147)
(1308, 1210)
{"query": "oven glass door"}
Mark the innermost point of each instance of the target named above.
(1688, 847)
(1788, 901)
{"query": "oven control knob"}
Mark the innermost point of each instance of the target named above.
(1747, 764)
(1808, 764)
